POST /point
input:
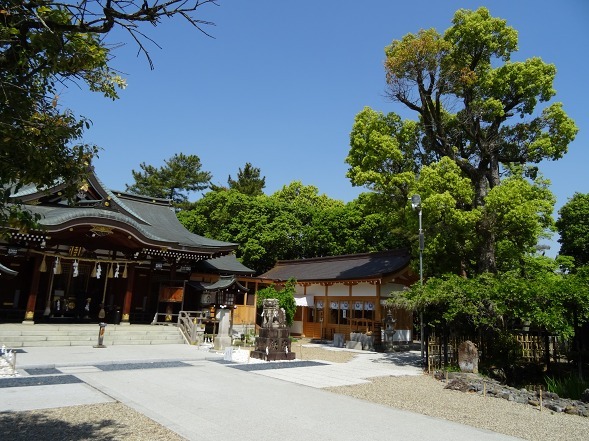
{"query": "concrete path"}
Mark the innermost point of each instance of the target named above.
(202, 397)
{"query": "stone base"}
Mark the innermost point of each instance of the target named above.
(273, 344)
(273, 356)
(367, 341)
(338, 340)
(220, 343)
(354, 345)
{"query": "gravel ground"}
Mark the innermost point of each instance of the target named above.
(425, 395)
(104, 422)
(422, 394)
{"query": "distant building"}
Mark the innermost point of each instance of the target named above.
(342, 294)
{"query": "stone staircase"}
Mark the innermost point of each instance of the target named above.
(25, 335)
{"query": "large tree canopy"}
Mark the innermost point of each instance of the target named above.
(179, 174)
(477, 110)
(295, 222)
(45, 44)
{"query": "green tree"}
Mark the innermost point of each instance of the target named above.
(285, 297)
(573, 227)
(46, 44)
(475, 107)
(248, 181)
(293, 223)
(179, 174)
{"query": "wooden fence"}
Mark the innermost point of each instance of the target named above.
(532, 347)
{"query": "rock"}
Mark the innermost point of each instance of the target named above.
(554, 407)
(551, 395)
(458, 384)
(468, 357)
(585, 396)
(466, 382)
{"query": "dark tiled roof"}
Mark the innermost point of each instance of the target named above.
(224, 265)
(347, 267)
(151, 218)
(224, 282)
(164, 224)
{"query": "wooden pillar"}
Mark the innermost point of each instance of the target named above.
(173, 271)
(377, 307)
(32, 299)
(128, 294)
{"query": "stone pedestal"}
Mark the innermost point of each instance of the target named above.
(366, 341)
(221, 342)
(273, 344)
(354, 345)
(338, 340)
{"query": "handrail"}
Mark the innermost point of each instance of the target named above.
(190, 323)
(172, 320)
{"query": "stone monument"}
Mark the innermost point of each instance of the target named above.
(273, 343)
(468, 357)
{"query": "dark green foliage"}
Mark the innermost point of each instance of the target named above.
(248, 181)
(573, 227)
(293, 223)
(46, 45)
(571, 386)
(180, 174)
(285, 297)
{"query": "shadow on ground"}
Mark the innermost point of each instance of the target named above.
(27, 426)
(400, 359)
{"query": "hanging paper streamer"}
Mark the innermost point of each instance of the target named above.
(75, 269)
(98, 271)
(43, 267)
(57, 266)
(117, 272)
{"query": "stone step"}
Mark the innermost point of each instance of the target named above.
(19, 335)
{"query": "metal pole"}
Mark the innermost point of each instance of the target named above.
(421, 244)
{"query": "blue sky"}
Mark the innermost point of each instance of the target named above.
(281, 81)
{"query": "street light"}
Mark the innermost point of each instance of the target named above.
(416, 204)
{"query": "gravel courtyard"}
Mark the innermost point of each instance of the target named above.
(422, 394)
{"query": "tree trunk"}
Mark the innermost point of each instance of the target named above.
(486, 258)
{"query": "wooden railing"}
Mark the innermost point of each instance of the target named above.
(192, 326)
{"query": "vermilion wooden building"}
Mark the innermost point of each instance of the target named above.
(106, 255)
(341, 294)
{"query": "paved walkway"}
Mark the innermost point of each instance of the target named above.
(199, 395)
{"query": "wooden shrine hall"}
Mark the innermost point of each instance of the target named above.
(104, 256)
